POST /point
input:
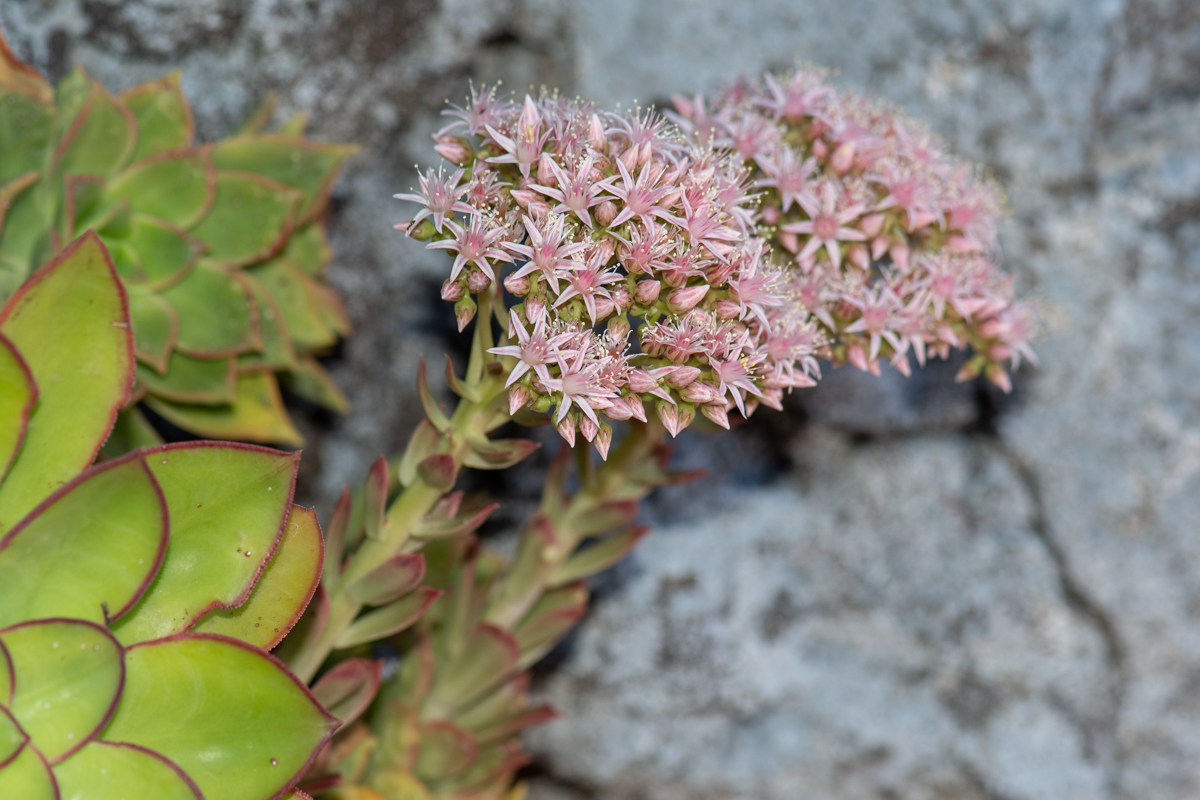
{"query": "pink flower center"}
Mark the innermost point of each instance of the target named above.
(825, 227)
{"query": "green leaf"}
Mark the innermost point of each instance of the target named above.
(309, 249)
(192, 380)
(18, 393)
(69, 676)
(164, 250)
(249, 220)
(348, 689)
(489, 659)
(292, 290)
(70, 323)
(277, 352)
(26, 231)
(391, 580)
(127, 263)
(239, 725)
(9, 192)
(282, 593)
(17, 76)
(597, 557)
(217, 316)
(308, 379)
(155, 327)
(178, 187)
(446, 750)
(111, 771)
(390, 619)
(164, 119)
(227, 505)
(256, 415)
(296, 162)
(555, 613)
(89, 551)
(25, 130)
(28, 777)
(12, 738)
(101, 139)
(131, 432)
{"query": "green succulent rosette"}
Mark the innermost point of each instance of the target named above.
(221, 247)
(138, 596)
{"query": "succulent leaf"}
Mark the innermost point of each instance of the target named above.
(28, 777)
(391, 580)
(309, 249)
(257, 413)
(101, 138)
(69, 675)
(250, 218)
(308, 379)
(390, 619)
(178, 186)
(18, 393)
(89, 550)
(348, 689)
(238, 724)
(446, 750)
(489, 658)
(164, 118)
(210, 294)
(72, 312)
(228, 505)
(282, 592)
(12, 738)
(155, 328)
(294, 293)
(114, 771)
(191, 380)
(307, 166)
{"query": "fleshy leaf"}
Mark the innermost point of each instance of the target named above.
(393, 579)
(25, 128)
(309, 380)
(292, 290)
(17, 76)
(551, 617)
(155, 328)
(307, 166)
(25, 234)
(446, 750)
(166, 251)
(277, 351)
(249, 220)
(18, 393)
(89, 551)
(257, 415)
(227, 505)
(131, 432)
(282, 593)
(348, 689)
(239, 724)
(597, 557)
(7, 679)
(12, 738)
(164, 119)
(309, 249)
(307, 631)
(217, 316)
(71, 323)
(178, 186)
(192, 380)
(101, 139)
(489, 659)
(69, 676)
(109, 771)
(390, 619)
(28, 777)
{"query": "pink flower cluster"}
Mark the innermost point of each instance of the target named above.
(889, 243)
(710, 273)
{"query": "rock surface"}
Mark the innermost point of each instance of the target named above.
(898, 591)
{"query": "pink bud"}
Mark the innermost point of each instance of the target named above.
(770, 215)
(899, 250)
(604, 308)
(726, 308)
(535, 308)
(999, 352)
(622, 298)
(820, 149)
(682, 376)
(453, 290)
(630, 159)
(517, 284)
(596, 134)
(539, 209)
(652, 349)
(566, 429)
(545, 172)
(603, 440)
(618, 328)
(843, 158)
(857, 356)
(518, 398)
(588, 428)
(453, 148)
(641, 381)
(717, 414)
(646, 292)
(669, 415)
(677, 353)
(996, 374)
(871, 225)
(523, 197)
(700, 392)
(478, 282)
(858, 255)
(606, 212)
(687, 298)
(618, 410)
(789, 241)
(464, 312)
(879, 246)
(635, 406)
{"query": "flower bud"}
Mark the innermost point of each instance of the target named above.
(996, 374)
(535, 308)
(668, 414)
(543, 404)
(453, 148)
(717, 414)
(545, 171)
(464, 312)
(517, 284)
(858, 256)
(820, 149)
(682, 376)
(453, 290)
(771, 215)
(700, 392)
(871, 225)
(720, 273)
(566, 429)
(618, 410)
(789, 241)
(539, 209)
(641, 381)
(478, 282)
(588, 428)
(603, 440)
(726, 308)
(606, 212)
(646, 292)
(422, 232)
(604, 308)
(630, 159)
(622, 298)
(843, 158)
(523, 197)
(686, 299)
(857, 356)
(899, 250)
(635, 406)
(596, 134)
(618, 328)
(518, 398)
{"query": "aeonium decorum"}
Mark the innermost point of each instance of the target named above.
(707, 267)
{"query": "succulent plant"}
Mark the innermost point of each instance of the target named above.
(221, 247)
(137, 595)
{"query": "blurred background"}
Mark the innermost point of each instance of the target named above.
(897, 590)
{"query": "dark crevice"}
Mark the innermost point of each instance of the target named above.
(1082, 603)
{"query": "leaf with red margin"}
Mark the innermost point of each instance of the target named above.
(375, 492)
(16, 402)
(305, 634)
(110, 771)
(7, 679)
(164, 118)
(390, 581)
(28, 777)
(250, 220)
(12, 738)
(217, 313)
(282, 593)
(17, 76)
(389, 619)
(89, 551)
(446, 750)
(489, 658)
(178, 186)
(69, 679)
(228, 504)
(346, 691)
(101, 138)
(231, 716)
(308, 166)
(70, 321)
(257, 414)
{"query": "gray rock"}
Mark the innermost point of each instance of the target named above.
(908, 590)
